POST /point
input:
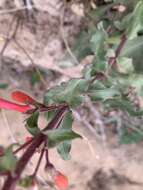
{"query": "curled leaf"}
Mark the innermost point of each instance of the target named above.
(32, 124)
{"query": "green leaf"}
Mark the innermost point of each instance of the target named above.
(113, 40)
(97, 85)
(32, 124)
(125, 65)
(129, 136)
(65, 147)
(136, 21)
(57, 136)
(134, 49)
(99, 65)
(98, 40)
(61, 137)
(98, 45)
(70, 92)
(8, 160)
(131, 47)
(86, 72)
(82, 46)
(103, 94)
(35, 78)
(49, 115)
(125, 105)
(134, 80)
(67, 121)
(100, 12)
(3, 85)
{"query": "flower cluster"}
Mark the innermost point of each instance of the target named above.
(21, 97)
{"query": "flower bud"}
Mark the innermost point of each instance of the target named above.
(22, 97)
(61, 181)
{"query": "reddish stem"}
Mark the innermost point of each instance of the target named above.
(23, 146)
(112, 60)
(48, 163)
(51, 108)
(57, 119)
(12, 179)
(119, 48)
(39, 161)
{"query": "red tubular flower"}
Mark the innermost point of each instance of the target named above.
(61, 181)
(4, 104)
(22, 97)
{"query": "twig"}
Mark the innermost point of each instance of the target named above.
(13, 37)
(8, 127)
(119, 48)
(39, 161)
(115, 118)
(89, 144)
(11, 181)
(28, 4)
(23, 146)
(13, 10)
(48, 163)
(78, 117)
(112, 60)
(57, 119)
(7, 11)
(32, 62)
(51, 108)
(8, 39)
(65, 40)
(98, 118)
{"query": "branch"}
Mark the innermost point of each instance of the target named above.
(13, 178)
(98, 118)
(112, 60)
(57, 119)
(22, 146)
(39, 161)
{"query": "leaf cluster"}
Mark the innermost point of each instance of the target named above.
(116, 65)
